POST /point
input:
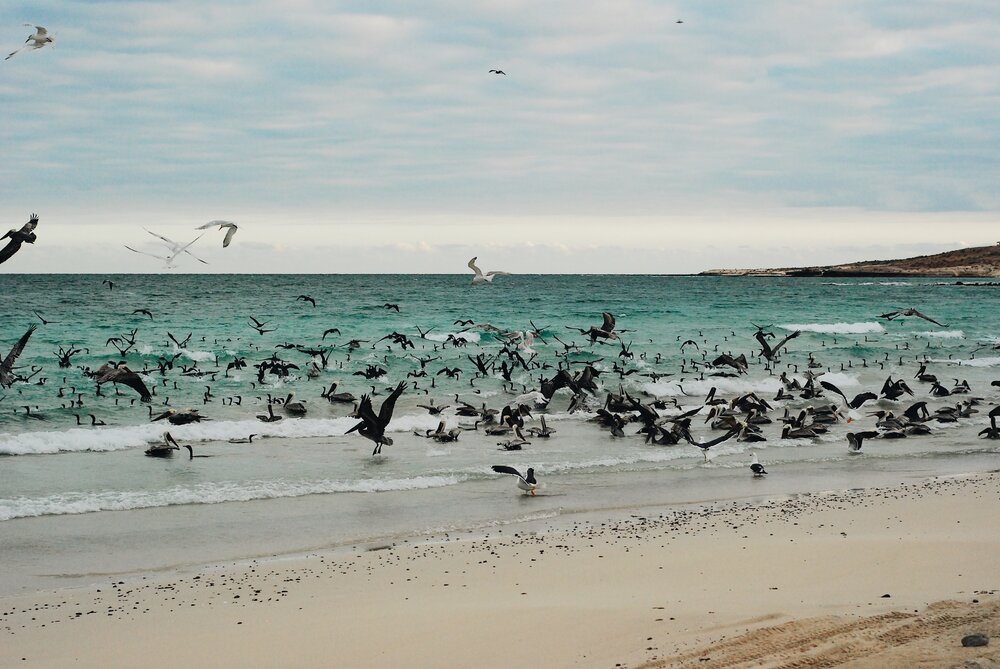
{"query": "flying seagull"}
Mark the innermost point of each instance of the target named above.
(527, 482)
(7, 366)
(18, 237)
(498, 72)
(222, 224)
(479, 277)
(39, 39)
(176, 250)
(909, 312)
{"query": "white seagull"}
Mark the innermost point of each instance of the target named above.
(177, 247)
(222, 224)
(756, 467)
(479, 277)
(527, 483)
(39, 39)
(175, 251)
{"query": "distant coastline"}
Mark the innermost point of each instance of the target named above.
(974, 262)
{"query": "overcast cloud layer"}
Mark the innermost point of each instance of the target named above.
(369, 136)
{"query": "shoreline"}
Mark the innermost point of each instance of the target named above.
(585, 589)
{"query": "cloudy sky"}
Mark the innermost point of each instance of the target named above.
(369, 136)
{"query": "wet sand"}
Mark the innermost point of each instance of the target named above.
(865, 578)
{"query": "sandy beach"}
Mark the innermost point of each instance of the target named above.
(863, 578)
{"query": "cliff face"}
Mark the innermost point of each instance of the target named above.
(979, 261)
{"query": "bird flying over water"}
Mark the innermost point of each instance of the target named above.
(230, 230)
(909, 312)
(25, 234)
(175, 250)
(37, 40)
(373, 426)
(479, 277)
(7, 366)
(498, 72)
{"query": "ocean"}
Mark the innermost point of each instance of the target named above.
(79, 503)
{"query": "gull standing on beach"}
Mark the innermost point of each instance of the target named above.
(479, 277)
(527, 482)
(40, 38)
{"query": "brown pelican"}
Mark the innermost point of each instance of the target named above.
(164, 450)
(855, 439)
(119, 373)
(294, 408)
(373, 426)
(231, 230)
(180, 417)
(498, 72)
(478, 276)
(527, 482)
(909, 312)
(7, 366)
(333, 396)
(18, 237)
(37, 40)
(270, 417)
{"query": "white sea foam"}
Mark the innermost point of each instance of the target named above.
(991, 361)
(214, 493)
(835, 328)
(943, 334)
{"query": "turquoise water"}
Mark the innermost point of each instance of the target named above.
(68, 491)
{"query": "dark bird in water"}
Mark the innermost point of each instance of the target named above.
(180, 417)
(230, 230)
(270, 417)
(17, 237)
(909, 312)
(373, 426)
(992, 432)
(525, 482)
(182, 343)
(147, 312)
(7, 366)
(119, 373)
(855, 439)
(858, 400)
(109, 284)
(769, 351)
(705, 445)
(605, 331)
(331, 331)
(164, 450)
(498, 72)
(756, 467)
(389, 305)
(306, 298)
(41, 318)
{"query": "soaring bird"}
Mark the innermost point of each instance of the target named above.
(769, 351)
(525, 482)
(855, 439)
(175, 250)
(231, 230)
(18, 237)
(498, 72)
(7, 366)
(479, 277)
(909, 312)
(858, 400)
(372, 426)
(306, 298)
(37, 40)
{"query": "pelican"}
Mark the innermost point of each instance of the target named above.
(7, 366)
(373, 426)
(231, 230)
(164, 450)
(479, 277)
(527, 482)
(37, 40)
(18, 237)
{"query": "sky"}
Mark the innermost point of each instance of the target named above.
(371, 137)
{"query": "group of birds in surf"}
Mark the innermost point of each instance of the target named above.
(806, 405)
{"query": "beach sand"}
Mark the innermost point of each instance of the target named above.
(864, 578)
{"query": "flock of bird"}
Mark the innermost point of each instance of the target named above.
(509, 361)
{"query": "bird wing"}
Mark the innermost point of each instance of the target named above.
(168, 241)
(152, 255)
(229, 235)
(385, 411)
(504, 469)
(365, 411)
(609, 322)
(10, 249)
(834, 389)
(472, 266)
(926, 317)
(40, 30)
(129, 378)
(860, 399)
(30, 225)
(890, 315)
(8, 363)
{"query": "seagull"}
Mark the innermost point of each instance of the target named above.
(7, 366)
(527, 483)
(176, 247)
(39, 39)
(232, 228)
(479, 277)
(491, 72)
(756, 467)
(909, 312)
(18, 237)
(169, 259)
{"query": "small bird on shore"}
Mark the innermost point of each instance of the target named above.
(756, 467)
(527, 482)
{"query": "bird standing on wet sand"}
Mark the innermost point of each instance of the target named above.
(756, 467)
(25, 234)
(527, 482)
